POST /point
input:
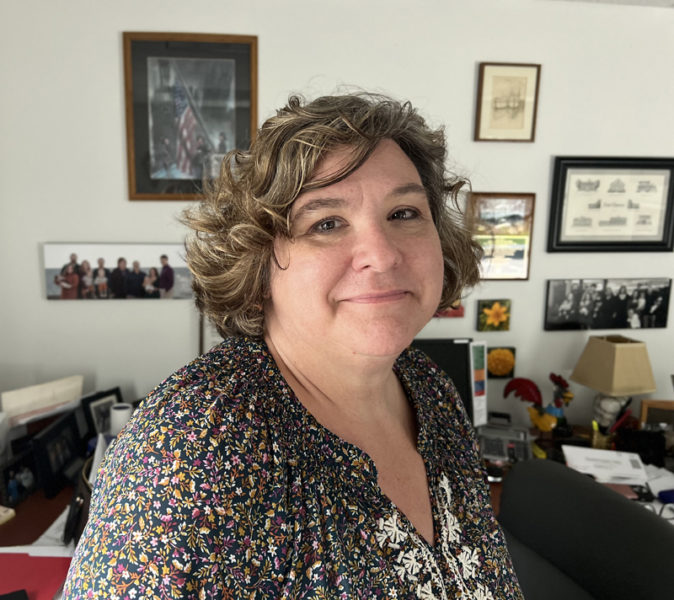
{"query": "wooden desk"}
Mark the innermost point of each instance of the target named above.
(33, 517)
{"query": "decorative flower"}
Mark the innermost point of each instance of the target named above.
(497, 314)
(500, 361)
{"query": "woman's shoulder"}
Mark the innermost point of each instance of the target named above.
(213, 387)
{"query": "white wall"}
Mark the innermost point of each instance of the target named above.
(606, 89)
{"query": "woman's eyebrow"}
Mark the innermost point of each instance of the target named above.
(317, 204)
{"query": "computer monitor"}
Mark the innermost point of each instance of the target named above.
(452, 355)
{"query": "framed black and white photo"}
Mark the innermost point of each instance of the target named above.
(18, 478)
(507, 101)
(617, 303)
(96, 409)
(611, 205)
(190, 98)
(502, 224)
(57, 451)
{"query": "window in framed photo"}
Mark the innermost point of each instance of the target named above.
(507, 99)
(502, 224)
(190, 98)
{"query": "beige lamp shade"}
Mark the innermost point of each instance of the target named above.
(615, 365)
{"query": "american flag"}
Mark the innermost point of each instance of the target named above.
(187, 125)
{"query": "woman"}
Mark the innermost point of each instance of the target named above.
(68, 283)
(151, 282)
(86, 280)
(311, 454)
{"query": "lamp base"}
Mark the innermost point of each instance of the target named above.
(606, 408)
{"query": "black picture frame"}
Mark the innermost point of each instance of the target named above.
(96, 408)
(57, 450)
(607, 303)
(611, 204)
(15, 483)
(180, 87)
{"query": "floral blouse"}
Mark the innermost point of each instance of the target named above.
(223, 485)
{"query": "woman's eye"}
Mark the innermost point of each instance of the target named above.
(403, 214)
(325, 226)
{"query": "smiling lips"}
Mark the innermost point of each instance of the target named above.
(378, 297)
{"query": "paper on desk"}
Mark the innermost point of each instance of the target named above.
(607, 466)
(659, 479)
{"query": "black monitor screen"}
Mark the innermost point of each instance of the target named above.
(453, 357)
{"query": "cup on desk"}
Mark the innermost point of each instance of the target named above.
(603, 441)
(120, 413)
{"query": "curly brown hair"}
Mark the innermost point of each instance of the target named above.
(230, 249)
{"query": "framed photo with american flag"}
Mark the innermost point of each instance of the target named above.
(190, 99)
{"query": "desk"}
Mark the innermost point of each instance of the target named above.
(33, 517)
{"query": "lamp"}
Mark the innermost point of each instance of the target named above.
(616, 367)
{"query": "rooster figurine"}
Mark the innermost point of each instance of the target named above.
(528, 391)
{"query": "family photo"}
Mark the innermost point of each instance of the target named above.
(116, 271)
(607, 303)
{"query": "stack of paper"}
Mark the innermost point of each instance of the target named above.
(607, 466)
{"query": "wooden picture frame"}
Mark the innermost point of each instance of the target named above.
(507, 102)
(657, 411)
(96, 408)
(607, 204)
(190, 98)
(502, 224)
(57, 450)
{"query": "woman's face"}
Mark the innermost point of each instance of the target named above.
(363, 271)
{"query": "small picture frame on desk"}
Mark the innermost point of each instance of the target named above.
(57, 453)
(654, 412)
(18, 479)
(96, 409)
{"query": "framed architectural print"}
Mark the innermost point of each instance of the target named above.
(611, 205)
(507, 98)
(190, 98)
(502, 224)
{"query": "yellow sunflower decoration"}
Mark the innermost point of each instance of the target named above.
(493, 315)
(500, 362)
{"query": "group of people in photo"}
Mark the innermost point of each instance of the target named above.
(82, 281)
(595, 306)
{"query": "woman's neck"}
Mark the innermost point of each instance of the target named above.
(327, 384)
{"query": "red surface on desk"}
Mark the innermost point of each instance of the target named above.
(40, 576)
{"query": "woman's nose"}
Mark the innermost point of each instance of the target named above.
(375, 248)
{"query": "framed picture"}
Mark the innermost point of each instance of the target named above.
(74, 271)
(502, 224)
(493, 315)
(190, 98)
(501, 362)
(611, 205)
(654, 412)
(607, 303)
(96, 409)
(57, 450)
(208, 335)
(507, 98)
(18, 479)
